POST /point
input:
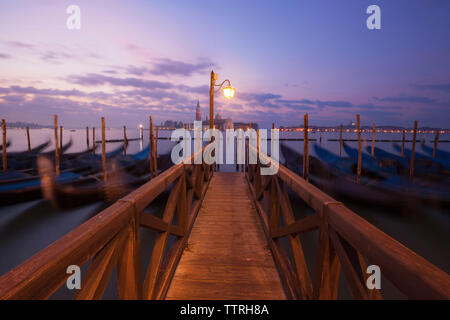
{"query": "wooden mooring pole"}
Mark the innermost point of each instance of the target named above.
(55, 124)
(125, 140)
(413, 152)
(87, 137)
(156, 140)
(373, 140)
(60, 138)
(243, 148)
(271, 140)
(358, 172)
(105, 174)
(5, 161)
(151, 146)
(28, 139)
(156, 151)
(305, 148)
(436, 140)
(403, 142)
(93, 140)
(340, 140)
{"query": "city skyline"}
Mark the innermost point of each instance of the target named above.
(304, 57)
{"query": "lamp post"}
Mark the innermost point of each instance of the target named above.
(228, 93)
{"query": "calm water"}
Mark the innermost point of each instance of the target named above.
(29, 227)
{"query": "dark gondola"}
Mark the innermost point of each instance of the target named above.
(440, 154)
(423, 168)
(333, 181)
(26, 189)
(92, 189)
(401, 190)
(8, 143)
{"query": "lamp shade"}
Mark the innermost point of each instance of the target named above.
(228, 92)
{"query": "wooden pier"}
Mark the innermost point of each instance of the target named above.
(227, 256)
(228, 230)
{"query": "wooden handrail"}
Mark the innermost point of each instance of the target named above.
(347, 236)
(112, 238)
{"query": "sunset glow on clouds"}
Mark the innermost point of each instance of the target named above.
(139, 58)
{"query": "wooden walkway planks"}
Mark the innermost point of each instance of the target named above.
(227, 256)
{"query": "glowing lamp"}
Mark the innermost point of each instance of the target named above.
(228, 92)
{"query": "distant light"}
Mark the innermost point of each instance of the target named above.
(228, 92)
(141, 126)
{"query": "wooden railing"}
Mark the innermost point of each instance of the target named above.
(346, 241)
(112, 238)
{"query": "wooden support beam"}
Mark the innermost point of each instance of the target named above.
(294, 240)
(306, 224)
(129, 269)
(327, 267)
(160, 244)
(100, 270)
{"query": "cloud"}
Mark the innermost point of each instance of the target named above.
(50, 92)
(18, 44)
(445, 87)
(166, 67)
(406, 98)
(95, 79)
(55, 57)
(4, 56)
(260, 98)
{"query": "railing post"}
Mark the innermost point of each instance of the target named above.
(129, 266)
(327, 268)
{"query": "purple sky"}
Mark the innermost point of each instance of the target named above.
(132, 59)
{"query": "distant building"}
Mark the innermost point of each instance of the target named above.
(198, 113)
(246, 125)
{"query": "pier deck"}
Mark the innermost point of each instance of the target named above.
(227, 256)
